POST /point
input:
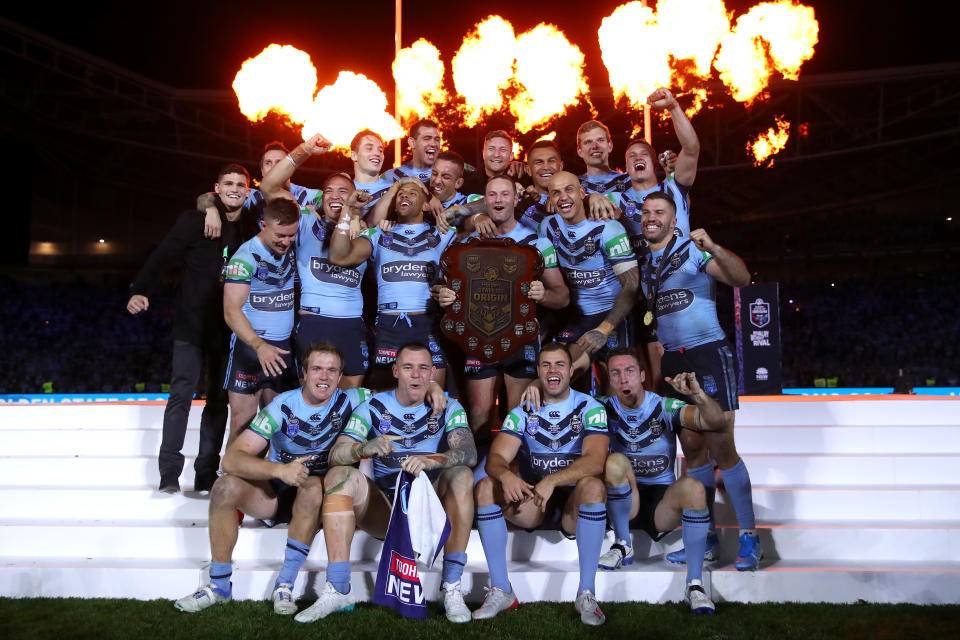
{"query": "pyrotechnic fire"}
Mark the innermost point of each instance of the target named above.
(633, 53)
(770, 142)
(770, 37)
(352, 103)
(483, 66)
(549, 75)
(280, 79)
(418, 73)
(547, 136)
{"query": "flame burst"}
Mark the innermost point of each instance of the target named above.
(483, 66)
(418, 73)
(280, 79)
(352, 103)
(783, 32)
(549, 76)
(547, 136)
(633, 52)
(770, 142)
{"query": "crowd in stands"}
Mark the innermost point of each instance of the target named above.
(861, 331)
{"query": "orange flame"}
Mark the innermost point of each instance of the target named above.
(633, 52)
(693, 29)
(418, 73)
(547, 136)
(770, 37)
(352, 103)
(549, 76)
(483, 66)
(770, 142)
(280, 78)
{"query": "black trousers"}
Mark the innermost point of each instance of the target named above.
(188, 361)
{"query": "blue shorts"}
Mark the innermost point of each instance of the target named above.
(715, 368)
(522, 364)
(395, 331)
(347, 334)
(621, 336)
(245, 376)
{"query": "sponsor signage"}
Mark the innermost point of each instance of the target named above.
(757, 318)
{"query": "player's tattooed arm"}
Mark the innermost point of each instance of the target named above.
(463, 450)
(594, 339)
(705, 414)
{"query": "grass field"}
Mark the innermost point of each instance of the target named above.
(131, 619)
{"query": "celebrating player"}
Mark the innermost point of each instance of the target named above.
(398, 429)
(424, 143)
(561, 449)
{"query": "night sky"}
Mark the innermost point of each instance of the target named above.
(195, 45)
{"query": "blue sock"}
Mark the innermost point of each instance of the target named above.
(338, 574)
(696, 523)
(220, 573)
(293, 557)
(736, 479)
(453, 564)
(591, 525)
(704, 474)
(618, 510)
(493, 536)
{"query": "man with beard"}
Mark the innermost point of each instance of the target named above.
(424, 143)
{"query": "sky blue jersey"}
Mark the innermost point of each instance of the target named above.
(646, 435)
(333, 289)
(269, 305)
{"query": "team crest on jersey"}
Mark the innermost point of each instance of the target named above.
(433, 424)
(675, 260)
(387, 239)
(533, 424)
(709, 385)
(335, 420)
(576, 424)
(589, 246)
(634, 446)
(364, 349)
(554, 444)
(320, 231)
(407, 443)
(656, 427)
(293, 426)
(262, 270)
(385, 422)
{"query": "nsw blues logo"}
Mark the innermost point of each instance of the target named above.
(385, 423)
(293, 426)
(533, 424)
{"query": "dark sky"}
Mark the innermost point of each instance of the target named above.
(200, 45)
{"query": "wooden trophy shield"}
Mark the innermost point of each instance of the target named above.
(492, 317)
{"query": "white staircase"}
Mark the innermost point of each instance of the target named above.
(855, 499)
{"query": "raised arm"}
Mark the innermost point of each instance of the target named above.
(726, 266)
(685, 171)
(346, 250)
(274, 183)
(705, 414)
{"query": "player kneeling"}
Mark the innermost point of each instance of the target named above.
(561, 449)
(287, 486)
(398, 430)
(641, 491)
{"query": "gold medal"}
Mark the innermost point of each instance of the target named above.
(648, 318)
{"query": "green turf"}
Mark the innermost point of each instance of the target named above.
(137, 620)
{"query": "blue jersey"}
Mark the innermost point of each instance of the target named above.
(255, 201)
(685, 307)
(295, 429)
(630, 203)
(525, 236)
(460, 198)
(333, 289)
(376, 189)
(407, 170)
(421, 431)
(269, 305)
(535, 214)
(609, 182)
(552, 437)
(406, 259)
(646, 435)
(591, 255)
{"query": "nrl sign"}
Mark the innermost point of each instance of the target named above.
(492, 317)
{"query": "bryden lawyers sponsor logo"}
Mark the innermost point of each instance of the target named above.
(585, 278)
(273, 301)
(324, 271)
(649, 466)
(549, 464)
(674, 300)
(407, 271)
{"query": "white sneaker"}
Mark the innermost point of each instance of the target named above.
(494, 602)
(283, 603)
(618, 555)
(330, 601)
(205, 597)
(697, 598)
(588, 609)
(453, 603)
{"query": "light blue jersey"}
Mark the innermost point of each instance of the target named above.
(255, 201)
(685, 307)
(591, 255)
(535, 213)
(407, 262)
(269, 305)
(630, 203)
(609, 182)
(421, 431)
(552, 437)
(407, 170)
(376, 189)
(525, 236)
(295, 429)
(460, 198)
(646, 435)
(332, 290)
